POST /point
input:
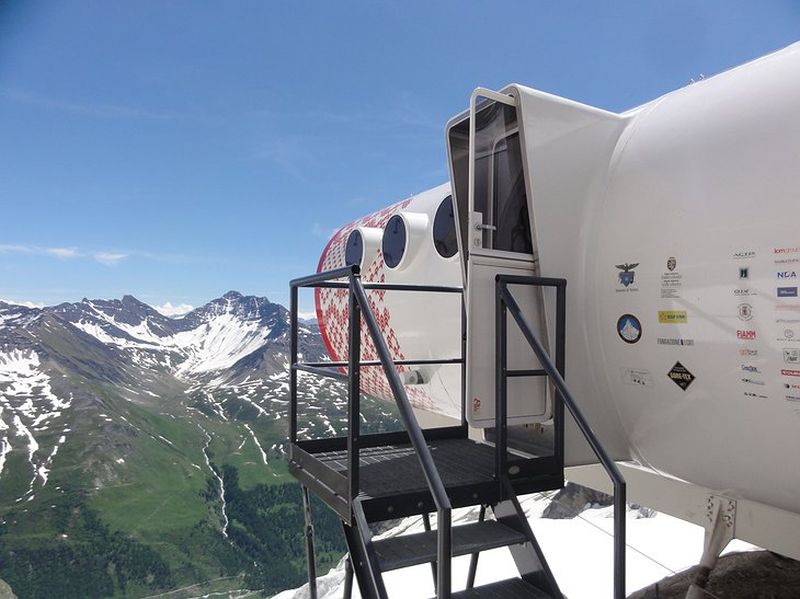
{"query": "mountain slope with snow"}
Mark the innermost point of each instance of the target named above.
(129, 438)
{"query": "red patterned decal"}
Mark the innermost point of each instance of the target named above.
(332, 312)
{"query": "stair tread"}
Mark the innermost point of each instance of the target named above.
(410, 550)
(513, 588)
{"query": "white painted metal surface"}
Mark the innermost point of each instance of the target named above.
(677, 226)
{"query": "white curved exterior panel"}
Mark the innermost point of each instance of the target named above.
(677, 227)
(704, 194)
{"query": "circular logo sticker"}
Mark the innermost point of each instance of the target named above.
(629, 328)
(745, 312)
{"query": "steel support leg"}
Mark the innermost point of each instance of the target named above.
(310, 553)
(720, 526)
(348, 578)
(426, 522)
(473, 561)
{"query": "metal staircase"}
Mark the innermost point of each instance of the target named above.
(372, 478)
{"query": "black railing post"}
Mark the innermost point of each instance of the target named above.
(620, 505)
(293, 363)
(561, 364)
(580, 420)
(501, 384)
(353, 388)
(444, 552)
(463, 362)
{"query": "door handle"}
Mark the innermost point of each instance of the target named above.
(482, 227)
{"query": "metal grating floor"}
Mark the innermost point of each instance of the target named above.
(395, 469)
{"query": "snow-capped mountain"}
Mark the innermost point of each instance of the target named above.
(211, 338)
(232, 339)
(146, 424)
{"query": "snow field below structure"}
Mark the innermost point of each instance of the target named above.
(578, 550)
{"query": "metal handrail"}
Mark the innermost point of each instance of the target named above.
(432, 477)
(506, 300)
(359, 307)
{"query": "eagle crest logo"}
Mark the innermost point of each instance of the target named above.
(626, 273)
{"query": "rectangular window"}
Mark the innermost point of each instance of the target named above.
(500, 192)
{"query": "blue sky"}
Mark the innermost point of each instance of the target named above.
(176, 150)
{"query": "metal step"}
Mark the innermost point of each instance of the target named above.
(420, 548)
(513, 588)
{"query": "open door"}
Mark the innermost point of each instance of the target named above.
(495, 227)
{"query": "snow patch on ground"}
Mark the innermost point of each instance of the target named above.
(28, 407)
(579, 551)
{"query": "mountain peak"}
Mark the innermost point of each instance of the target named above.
(233, 295)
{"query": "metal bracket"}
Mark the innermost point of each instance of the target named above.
(720, 525)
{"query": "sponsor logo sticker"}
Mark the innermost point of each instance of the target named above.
(753, 382)
(629, 328)
(786, 274)
(744, 272)
(748, 335)
(748, 352)
(787, 250)
(787, 291)
(791, 355)
(626, 276)
(744, 255)
(681, 376)
(637, 376)
(671, 280)
(743, 292)
(790, 372)
(755, 395)
(674, 341)
(750, 368)
(745, 312)
(673, 317)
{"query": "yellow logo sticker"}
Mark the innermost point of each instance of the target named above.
(673, 317)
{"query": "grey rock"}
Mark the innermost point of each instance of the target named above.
(749, 575)
(574, 499)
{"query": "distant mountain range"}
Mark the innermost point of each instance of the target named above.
(129, 440)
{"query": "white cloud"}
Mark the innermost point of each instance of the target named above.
(109, 258)
(167, 309)
(91, 109)
(317, 230)
(62, 252)
(33, 249)
(26, 304)
(307, 315)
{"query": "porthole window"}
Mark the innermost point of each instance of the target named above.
(393, 244)
(444, 229)
(354, 248)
